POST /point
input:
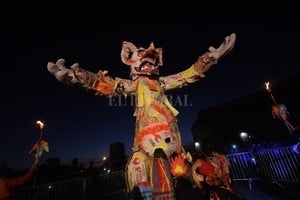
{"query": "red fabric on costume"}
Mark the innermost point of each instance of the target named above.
(206, 168)
(162, 180)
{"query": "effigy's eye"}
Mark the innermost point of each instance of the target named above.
(146, 64)
(150, 64)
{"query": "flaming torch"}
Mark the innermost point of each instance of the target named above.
(268, 88)
(279, 110)
(41, 145)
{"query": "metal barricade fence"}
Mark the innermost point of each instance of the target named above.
(278, 164)
(242, 166)
(62, 190)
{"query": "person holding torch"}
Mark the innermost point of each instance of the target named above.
(8, 184)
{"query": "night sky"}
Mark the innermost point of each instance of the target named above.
(80, 124)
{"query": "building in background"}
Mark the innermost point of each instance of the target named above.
(251, 116)
(117, 157)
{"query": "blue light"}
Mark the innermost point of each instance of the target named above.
(253, 161)
(296, 148)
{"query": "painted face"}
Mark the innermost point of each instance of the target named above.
(142, 61)
(148, 62)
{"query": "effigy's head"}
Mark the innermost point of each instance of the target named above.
(141, 61)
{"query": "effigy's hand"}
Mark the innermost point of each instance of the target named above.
(207, 60)
(224, 48)
(62, 73)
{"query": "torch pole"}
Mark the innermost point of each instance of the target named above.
(270, 92)
(41, 125)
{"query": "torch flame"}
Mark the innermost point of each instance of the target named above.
(268, 86)
(41, 124)
(178, 167)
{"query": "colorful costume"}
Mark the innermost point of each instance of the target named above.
(211, 176)
(156, 125)
(222, 168)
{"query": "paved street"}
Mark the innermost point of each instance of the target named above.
(258, 190)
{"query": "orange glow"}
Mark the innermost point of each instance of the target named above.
(41, 124)
(178, 167)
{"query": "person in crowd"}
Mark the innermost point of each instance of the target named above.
(8, 184)
(211, 175)
(221, 168)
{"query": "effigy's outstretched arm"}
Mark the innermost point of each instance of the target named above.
(201, 66)
(204, 62)
(101, 83)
